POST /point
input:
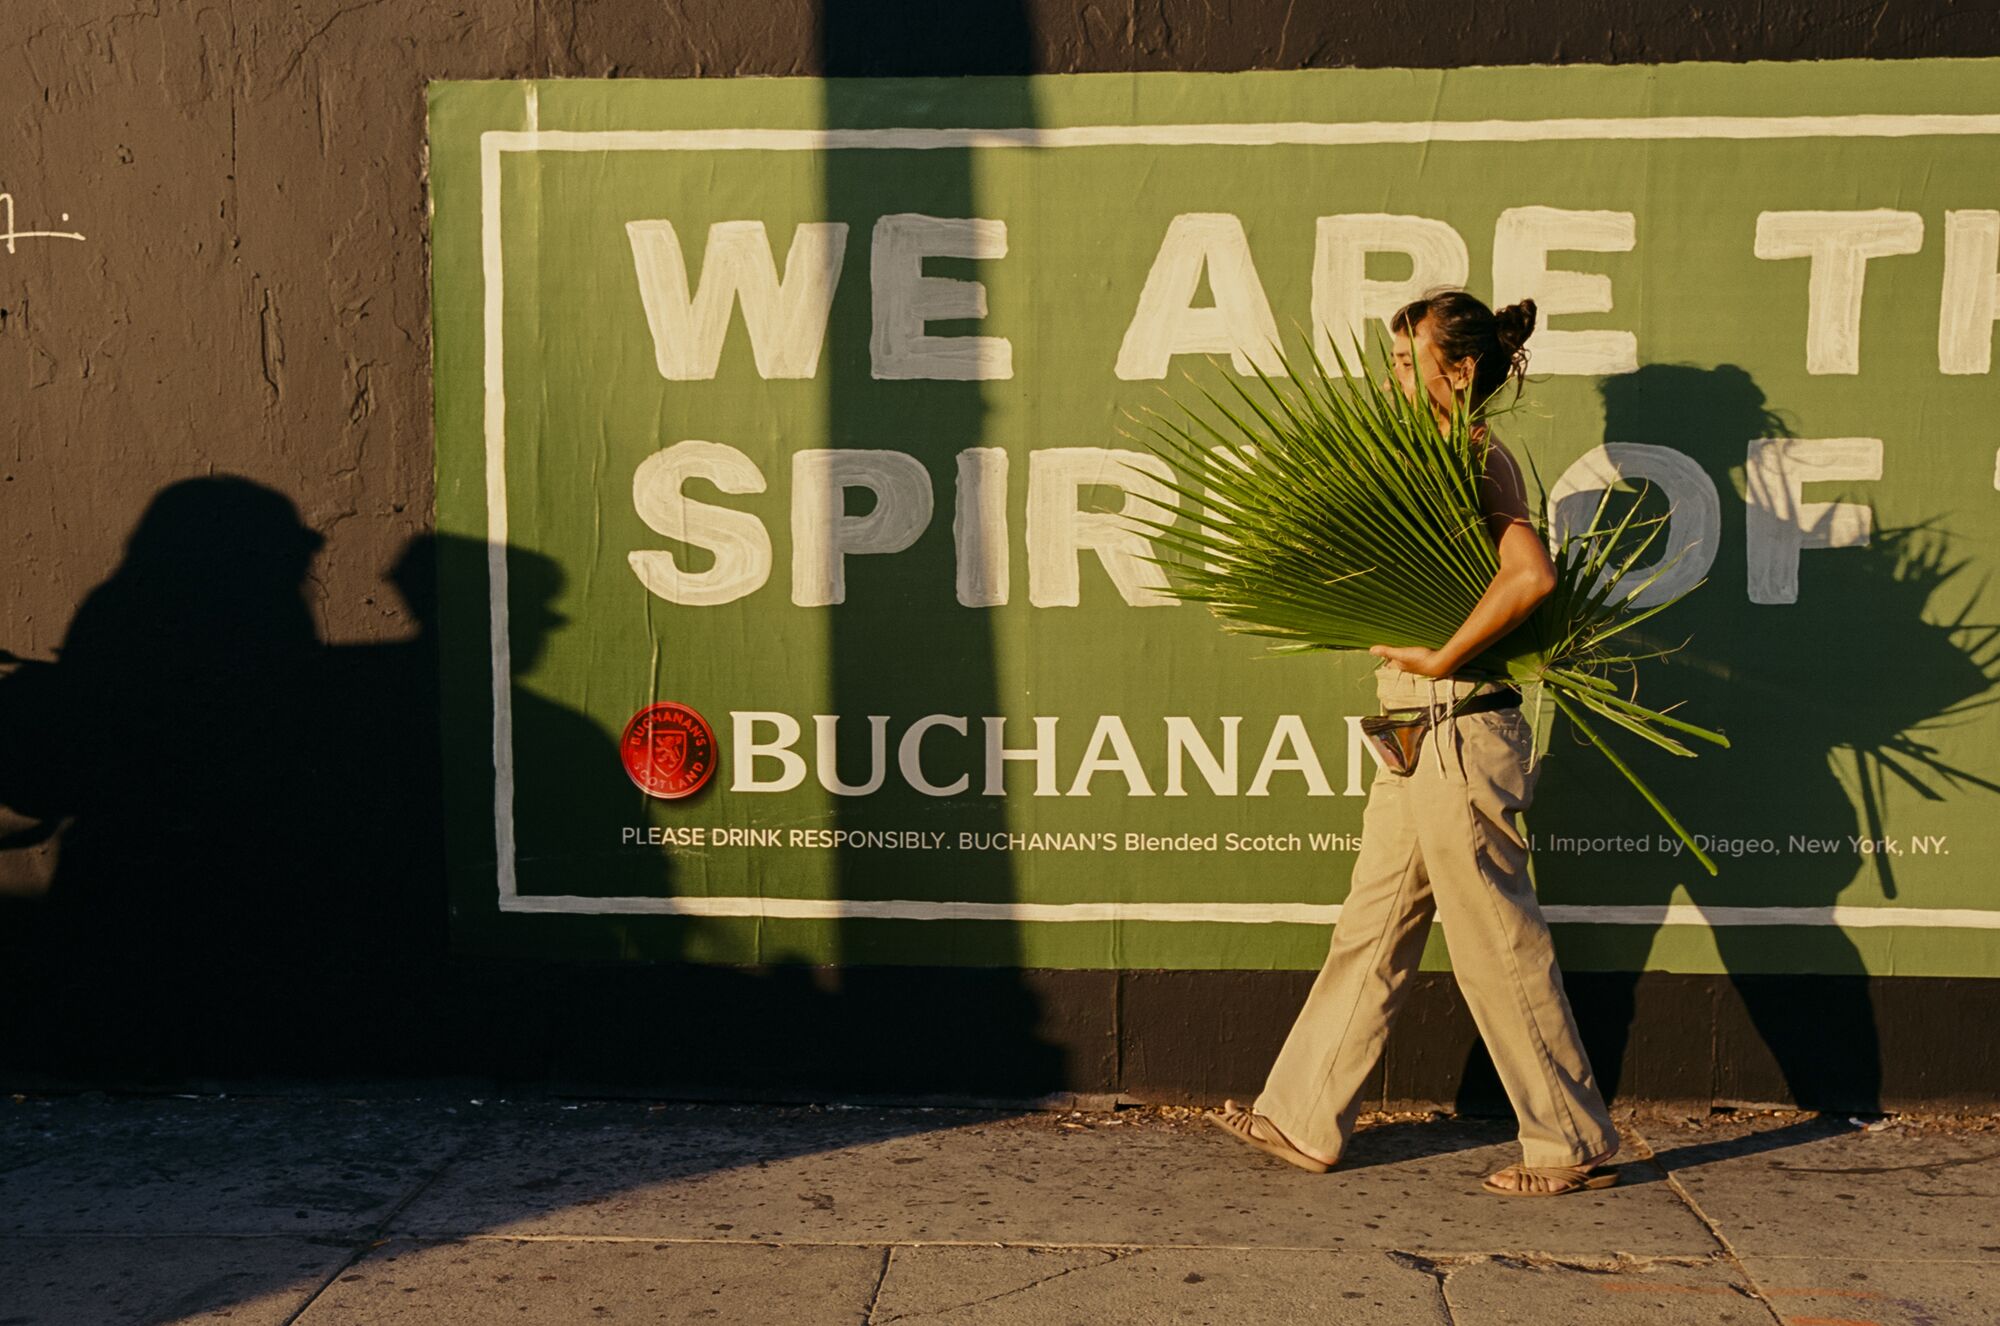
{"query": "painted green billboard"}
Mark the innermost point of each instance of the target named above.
(784, 438)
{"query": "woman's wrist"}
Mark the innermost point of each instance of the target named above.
(1445, 661)
(1422, 662)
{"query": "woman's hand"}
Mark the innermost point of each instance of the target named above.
(1409, 658)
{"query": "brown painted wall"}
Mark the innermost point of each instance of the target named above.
(251, 299)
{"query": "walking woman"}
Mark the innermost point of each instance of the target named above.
(1443, 839)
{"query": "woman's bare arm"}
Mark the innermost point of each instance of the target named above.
(1525, 577)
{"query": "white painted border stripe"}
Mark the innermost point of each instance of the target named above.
(1241, 913)
(496, 518)
(1655, 128)
(1287, 133)
(838, 909)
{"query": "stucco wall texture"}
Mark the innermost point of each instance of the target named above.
(250, 297)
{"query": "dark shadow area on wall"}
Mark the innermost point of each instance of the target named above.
(1821, 717)
(221, 856)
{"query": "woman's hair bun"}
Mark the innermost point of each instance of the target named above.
(1463, 327)
(1514, 324)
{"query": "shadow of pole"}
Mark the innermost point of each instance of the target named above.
(902, 644)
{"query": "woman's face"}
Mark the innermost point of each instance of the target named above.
(1417, 360)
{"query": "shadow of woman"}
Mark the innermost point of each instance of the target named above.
(1825, 700)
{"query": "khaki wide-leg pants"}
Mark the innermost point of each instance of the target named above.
(1443, 839)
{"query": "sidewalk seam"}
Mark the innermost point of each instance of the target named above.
(374, 1238)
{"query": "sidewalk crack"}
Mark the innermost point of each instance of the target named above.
(1438, 1269)
(1110, 1256)
(881, 1278)
(1728, 1249)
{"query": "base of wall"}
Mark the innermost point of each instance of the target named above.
(956, 1035)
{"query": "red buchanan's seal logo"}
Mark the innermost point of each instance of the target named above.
(668, 750)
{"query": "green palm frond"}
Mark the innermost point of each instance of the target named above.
(1332, 512)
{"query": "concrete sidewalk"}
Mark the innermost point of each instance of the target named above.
(320, 1211)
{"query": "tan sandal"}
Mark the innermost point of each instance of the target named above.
(1240, 1123)
(1550, 1180)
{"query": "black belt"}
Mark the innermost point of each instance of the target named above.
(1504, 698)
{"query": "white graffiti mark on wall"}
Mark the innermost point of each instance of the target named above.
(8, 235)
